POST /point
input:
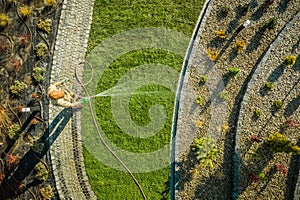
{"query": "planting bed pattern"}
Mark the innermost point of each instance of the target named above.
(30, 41)
(262, 59)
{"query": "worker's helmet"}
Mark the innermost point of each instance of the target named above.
(56, 94)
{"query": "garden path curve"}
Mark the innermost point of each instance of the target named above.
(69, 50)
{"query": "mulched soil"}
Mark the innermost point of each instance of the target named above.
(17, 60)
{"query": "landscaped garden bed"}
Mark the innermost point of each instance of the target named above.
(27, 31)
(236, 53)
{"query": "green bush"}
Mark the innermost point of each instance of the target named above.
(258, 113)
(233, 72)
(224, 10)
(18, 88)
(13, 130)
(223, 95)
(269, 86)
(203, 79)
(49, 2)
(289, 60)
(278, 104)
(271, 24)
(278, 143)
(199, 101)
(41, 50)
(4, 20)
(41, 172)
(206, 151)
(38, 74)
(45, 25)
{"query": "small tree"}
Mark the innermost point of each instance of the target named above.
(233, 72)
(206, 151)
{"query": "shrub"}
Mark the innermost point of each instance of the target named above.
(289, 60)
(281, 168)
(25, 11)
(49, 2)
(271, 24)
(18, 88)
(224, 128)
(38, 74)
(41, 172)
(278, 143)
(291, 122)
(223, 95)
(199, 101)
(13, 130)
(45, 25)
(212, 54)
(278, 104)
(255, 138)
(199, 123)
(203, 79)
(253, 178)
(258, 113)
(224, 10)
(4, 20)
(269, 86)
(240, 45)
(41, 50)
(46, 192)
(206, 151)
(233, 72)
(221, 34)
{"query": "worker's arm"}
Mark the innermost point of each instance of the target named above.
(61, 82)
(67, 104)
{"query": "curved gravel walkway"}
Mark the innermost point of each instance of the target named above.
(69, 50)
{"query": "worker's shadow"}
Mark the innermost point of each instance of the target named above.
(35, 154)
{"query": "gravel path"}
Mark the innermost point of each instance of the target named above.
(70, 47)
(194, 181)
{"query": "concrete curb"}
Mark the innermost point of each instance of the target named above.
(175, 141)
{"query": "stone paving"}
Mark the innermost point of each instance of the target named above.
(69, 50)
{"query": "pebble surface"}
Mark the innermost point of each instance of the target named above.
(69, 50)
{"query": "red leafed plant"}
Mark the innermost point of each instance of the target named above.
(16, 64)
(23, 39)
(255, 138)
(20, 108)
(3, 46)
(34, 121)
(11, 159)
(281, 168)
(253, 178)
(291, 122)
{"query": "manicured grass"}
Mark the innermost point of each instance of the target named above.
(111, 17)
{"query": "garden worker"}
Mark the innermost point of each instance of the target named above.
(62, 98)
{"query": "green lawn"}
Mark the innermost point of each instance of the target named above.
(111, 17)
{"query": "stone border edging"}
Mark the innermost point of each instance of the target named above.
(251, 83)
(174, 168)
(66, 153)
